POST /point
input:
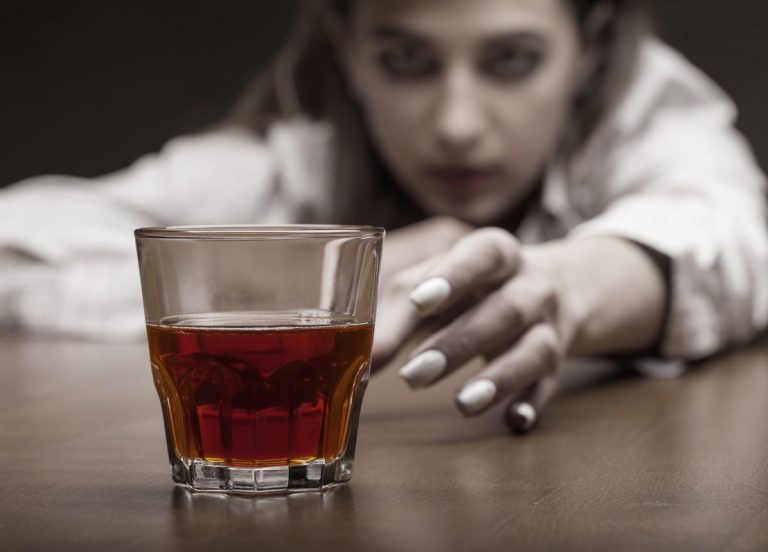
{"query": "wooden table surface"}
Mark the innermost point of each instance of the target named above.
(618, 463)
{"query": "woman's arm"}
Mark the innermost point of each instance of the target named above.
(611, 291)
(689, 189)
(67, 251)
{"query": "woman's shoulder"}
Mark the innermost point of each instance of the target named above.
(302, 152)
(671, 112)
(673, 128)
(294, 151)
(665, 81)
(297, 134)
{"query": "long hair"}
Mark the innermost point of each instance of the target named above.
(306, 79)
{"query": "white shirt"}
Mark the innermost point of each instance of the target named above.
(666, 168)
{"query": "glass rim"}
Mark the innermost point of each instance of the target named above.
(259, 231)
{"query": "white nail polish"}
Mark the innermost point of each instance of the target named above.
(660, 369)
(476, 395)
(425, 368)
(527, 412)
(431, 293)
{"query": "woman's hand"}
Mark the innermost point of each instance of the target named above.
(508, 310)
(407, 252)
(410, 245)
(522, 309)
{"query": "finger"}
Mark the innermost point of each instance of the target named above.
(523, 412)
(535, 356)
(397, 316)
(434, 235)
(479, 261)
(490, 326)
(394, 323)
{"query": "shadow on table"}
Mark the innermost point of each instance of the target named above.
(210, 521)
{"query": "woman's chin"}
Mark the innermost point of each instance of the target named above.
(480, 211)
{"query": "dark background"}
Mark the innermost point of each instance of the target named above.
(89, 85)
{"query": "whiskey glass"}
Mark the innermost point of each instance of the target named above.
(260, 346)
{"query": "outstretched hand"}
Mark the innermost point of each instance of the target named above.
(488, 298)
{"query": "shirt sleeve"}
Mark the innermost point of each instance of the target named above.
(67, 253)
(686, 185)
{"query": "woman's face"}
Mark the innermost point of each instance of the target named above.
(465, 99)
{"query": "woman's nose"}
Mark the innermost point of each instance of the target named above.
(459, 119)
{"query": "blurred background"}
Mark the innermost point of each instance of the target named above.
(88, 86)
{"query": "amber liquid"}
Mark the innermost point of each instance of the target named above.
(258, 396)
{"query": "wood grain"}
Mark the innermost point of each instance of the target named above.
(617, 463)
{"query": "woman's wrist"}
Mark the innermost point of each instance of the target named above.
(611, 295)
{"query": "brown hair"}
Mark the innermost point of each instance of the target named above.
(305, 79)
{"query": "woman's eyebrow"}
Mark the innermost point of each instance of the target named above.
(525, 37)
(392, 32)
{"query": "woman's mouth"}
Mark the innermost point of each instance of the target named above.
(464, 180)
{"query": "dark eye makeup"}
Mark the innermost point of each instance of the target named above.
(506, 58)
(513, 57)
(407, 61)
(510, 64)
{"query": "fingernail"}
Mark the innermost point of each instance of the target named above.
(660, 369)
(476, 396)
(431, 293)
(522, 416)
(425, 368)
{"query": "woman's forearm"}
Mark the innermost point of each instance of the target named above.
(612, 294)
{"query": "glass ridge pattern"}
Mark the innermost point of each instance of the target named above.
(260, 409)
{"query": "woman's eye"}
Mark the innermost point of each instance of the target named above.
(510, 64)
(408, 62)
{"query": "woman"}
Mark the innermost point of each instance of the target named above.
(560, 184)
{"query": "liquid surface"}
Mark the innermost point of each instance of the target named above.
(258, 396)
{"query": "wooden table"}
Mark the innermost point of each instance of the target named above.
(620, 464)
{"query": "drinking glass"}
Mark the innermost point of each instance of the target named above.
(260, 345)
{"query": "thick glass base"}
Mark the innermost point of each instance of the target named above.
(313, 476)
